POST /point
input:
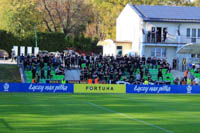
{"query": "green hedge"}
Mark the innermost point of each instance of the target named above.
(51, 42)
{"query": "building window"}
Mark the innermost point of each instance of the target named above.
(164, 52)
(119, 50)
(194, 35)
(193, 55)
(198, 32)
(159, 52)
(153, 51)
(188, 32)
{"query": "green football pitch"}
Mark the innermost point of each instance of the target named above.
(97, 113)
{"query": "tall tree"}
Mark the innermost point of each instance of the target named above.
(18, 16)
(197, 2)
(68, 16)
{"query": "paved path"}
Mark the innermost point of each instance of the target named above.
(7, 61)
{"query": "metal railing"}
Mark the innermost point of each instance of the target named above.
(170, 39)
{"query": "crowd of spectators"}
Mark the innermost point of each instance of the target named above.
(191, 76)
(41, 63)
(130, 69)
(107, 69)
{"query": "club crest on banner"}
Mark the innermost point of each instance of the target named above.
(6, 87)
(189, 89)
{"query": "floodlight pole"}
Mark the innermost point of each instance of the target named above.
(35, 37)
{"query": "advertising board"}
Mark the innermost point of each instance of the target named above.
(99, 88)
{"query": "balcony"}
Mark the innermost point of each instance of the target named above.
(171, 40)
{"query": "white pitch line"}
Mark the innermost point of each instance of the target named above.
(126, 116)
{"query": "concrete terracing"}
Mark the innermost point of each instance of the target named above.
(73, 74)
(177, 74)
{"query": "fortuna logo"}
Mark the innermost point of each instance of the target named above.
(6, 87)
(189, 89)
(99, 88)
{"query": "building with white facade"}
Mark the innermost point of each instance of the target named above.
(157, 31)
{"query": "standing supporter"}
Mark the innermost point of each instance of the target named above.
(41, 63)
(141, 73)
(160, 75)
(138, 77)
(189, 81)
(22, 58)
(183, 82)
(146, 71)
(153, 34)
(165, 34)
(185, 75)
(49, 72)
(96, 81)
(143, 60)
(90, 81)
(168, 68)
(33, 72)
(148, 61)
(25, 63)
(153, 62)
(148, 36)
(30, 64)
(196, 81)
(13, 55)
(42, 73)
(38, 78)
(79, 61)
(174, 63)
(176, 81)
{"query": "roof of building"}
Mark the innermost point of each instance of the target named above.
(168, 13)
(109, 41)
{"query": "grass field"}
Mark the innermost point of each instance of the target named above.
(9, 73)
(63, 113)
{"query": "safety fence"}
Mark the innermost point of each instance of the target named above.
(99, 88)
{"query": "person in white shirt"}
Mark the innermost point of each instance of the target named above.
(196, 80)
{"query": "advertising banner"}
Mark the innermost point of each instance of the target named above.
(36, 50)
(42, 88)
(163, 89)
(99, 88)
(29, 50)
(15, 48)
(22, 50)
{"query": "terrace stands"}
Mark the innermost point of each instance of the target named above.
(29, 76)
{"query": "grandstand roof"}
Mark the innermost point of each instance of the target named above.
(168, 13)
(189, 49)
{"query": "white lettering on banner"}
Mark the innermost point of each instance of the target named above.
(36, 87)
(164, 89)
(140, 89)
(41, 88)
(152, 89)
(61, 87)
